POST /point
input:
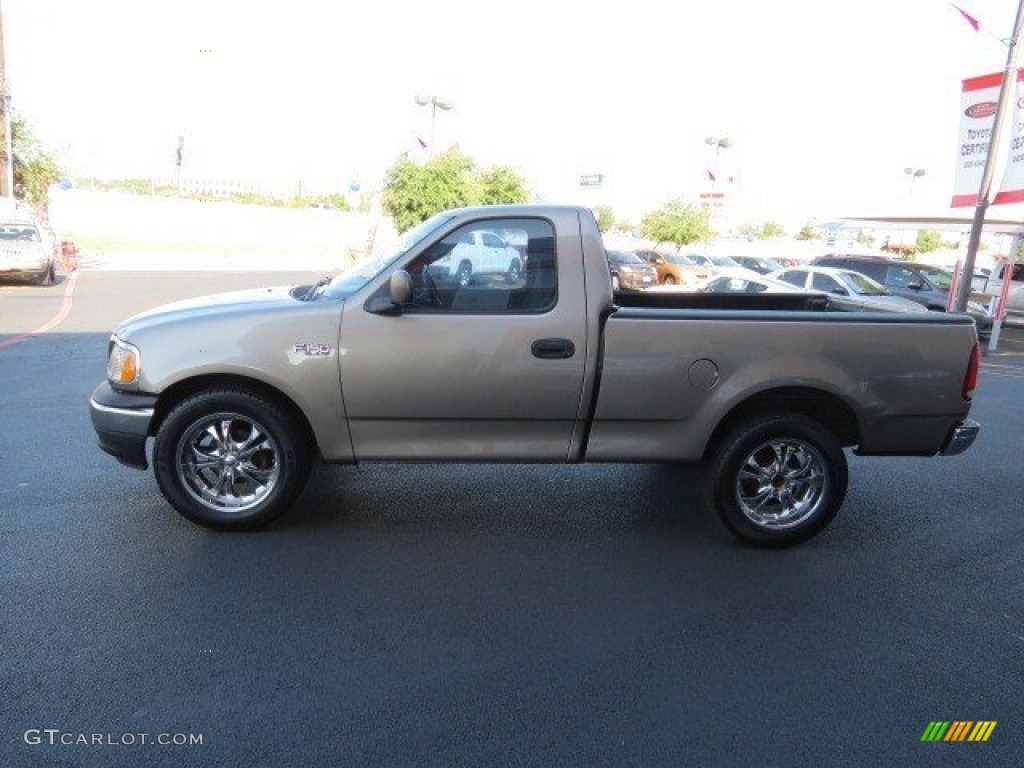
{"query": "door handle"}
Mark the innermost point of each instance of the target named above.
(553, 349)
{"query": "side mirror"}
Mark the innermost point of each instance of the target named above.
(399, 294)
(915, 285)
(400, 287)
(840, 292)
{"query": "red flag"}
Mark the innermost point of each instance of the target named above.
(711, 176)
(967, 17)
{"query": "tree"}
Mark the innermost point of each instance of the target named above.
(413, 193)
(928, 241)
(772, 229)
(807, 232)
(501, 185)
(34, 170)
(676, 222)
(605, 217)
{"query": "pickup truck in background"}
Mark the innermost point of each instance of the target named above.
(395, 359)
(480, 253)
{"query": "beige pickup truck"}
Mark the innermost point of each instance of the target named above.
(403, 358)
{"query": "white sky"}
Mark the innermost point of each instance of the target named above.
(826, 102)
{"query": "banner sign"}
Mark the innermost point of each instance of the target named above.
(978, 104)
(1012, 188)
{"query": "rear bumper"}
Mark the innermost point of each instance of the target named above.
(961, 438)
(122, 422)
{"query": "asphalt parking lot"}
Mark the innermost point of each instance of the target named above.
(487, 615)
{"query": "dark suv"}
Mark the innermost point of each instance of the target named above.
(927, 285)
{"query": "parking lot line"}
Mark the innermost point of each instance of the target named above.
(60, 317)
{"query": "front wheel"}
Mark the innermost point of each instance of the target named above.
(231, 459)
(778, 479)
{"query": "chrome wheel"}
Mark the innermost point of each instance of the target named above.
(781, 483)
(228, 461)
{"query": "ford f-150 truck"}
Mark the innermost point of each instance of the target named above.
(395, 359)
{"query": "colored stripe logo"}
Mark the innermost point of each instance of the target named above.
(958, 730)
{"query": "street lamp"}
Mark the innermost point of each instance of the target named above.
(914, 174)
(434, 102)
(719, 144)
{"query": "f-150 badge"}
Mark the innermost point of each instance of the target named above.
(312, 349)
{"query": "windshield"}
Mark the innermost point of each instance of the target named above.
(23, 232)
(624, 257)
(678, 258)
(864, 285)
(940, 277)
(723, 261)
(363, 271)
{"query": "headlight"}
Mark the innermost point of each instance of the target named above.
(123, 365)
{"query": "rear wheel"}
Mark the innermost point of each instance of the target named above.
(231, 459)
(49, 277)
(778, 479)
(669, 280)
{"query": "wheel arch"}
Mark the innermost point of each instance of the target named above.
(828, 409)
(180, 390)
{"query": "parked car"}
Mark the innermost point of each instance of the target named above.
(630, 272)
(925, 284)
(856, 289)
(26, 251)
(760, 264)
(719, 264)
(740, 283)
(675, 268)
(992, 283)
(481, 253)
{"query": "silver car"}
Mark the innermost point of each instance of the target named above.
(855, 289)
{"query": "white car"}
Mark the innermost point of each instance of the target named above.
(26, 251)
(480, 252)
(854, 289)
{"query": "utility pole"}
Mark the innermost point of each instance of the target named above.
(6, 148)
(1009, 78)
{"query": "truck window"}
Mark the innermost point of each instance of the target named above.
(472, 270)
(899, 277)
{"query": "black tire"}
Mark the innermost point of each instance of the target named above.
(669, 280)
(755, 506)
(49, 277)
(237, 418)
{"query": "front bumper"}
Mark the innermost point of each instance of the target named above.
(121, 421)
(960, 438)
(636, 281)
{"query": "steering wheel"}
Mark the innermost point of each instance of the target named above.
(427, 294)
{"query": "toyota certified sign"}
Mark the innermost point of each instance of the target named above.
(978, 105)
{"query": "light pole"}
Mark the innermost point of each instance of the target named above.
(434, 102)
(719, 144)
(914, 174)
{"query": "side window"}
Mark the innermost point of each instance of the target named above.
(794, 277)
(825, 283)
(898, 277)
(453, 275)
